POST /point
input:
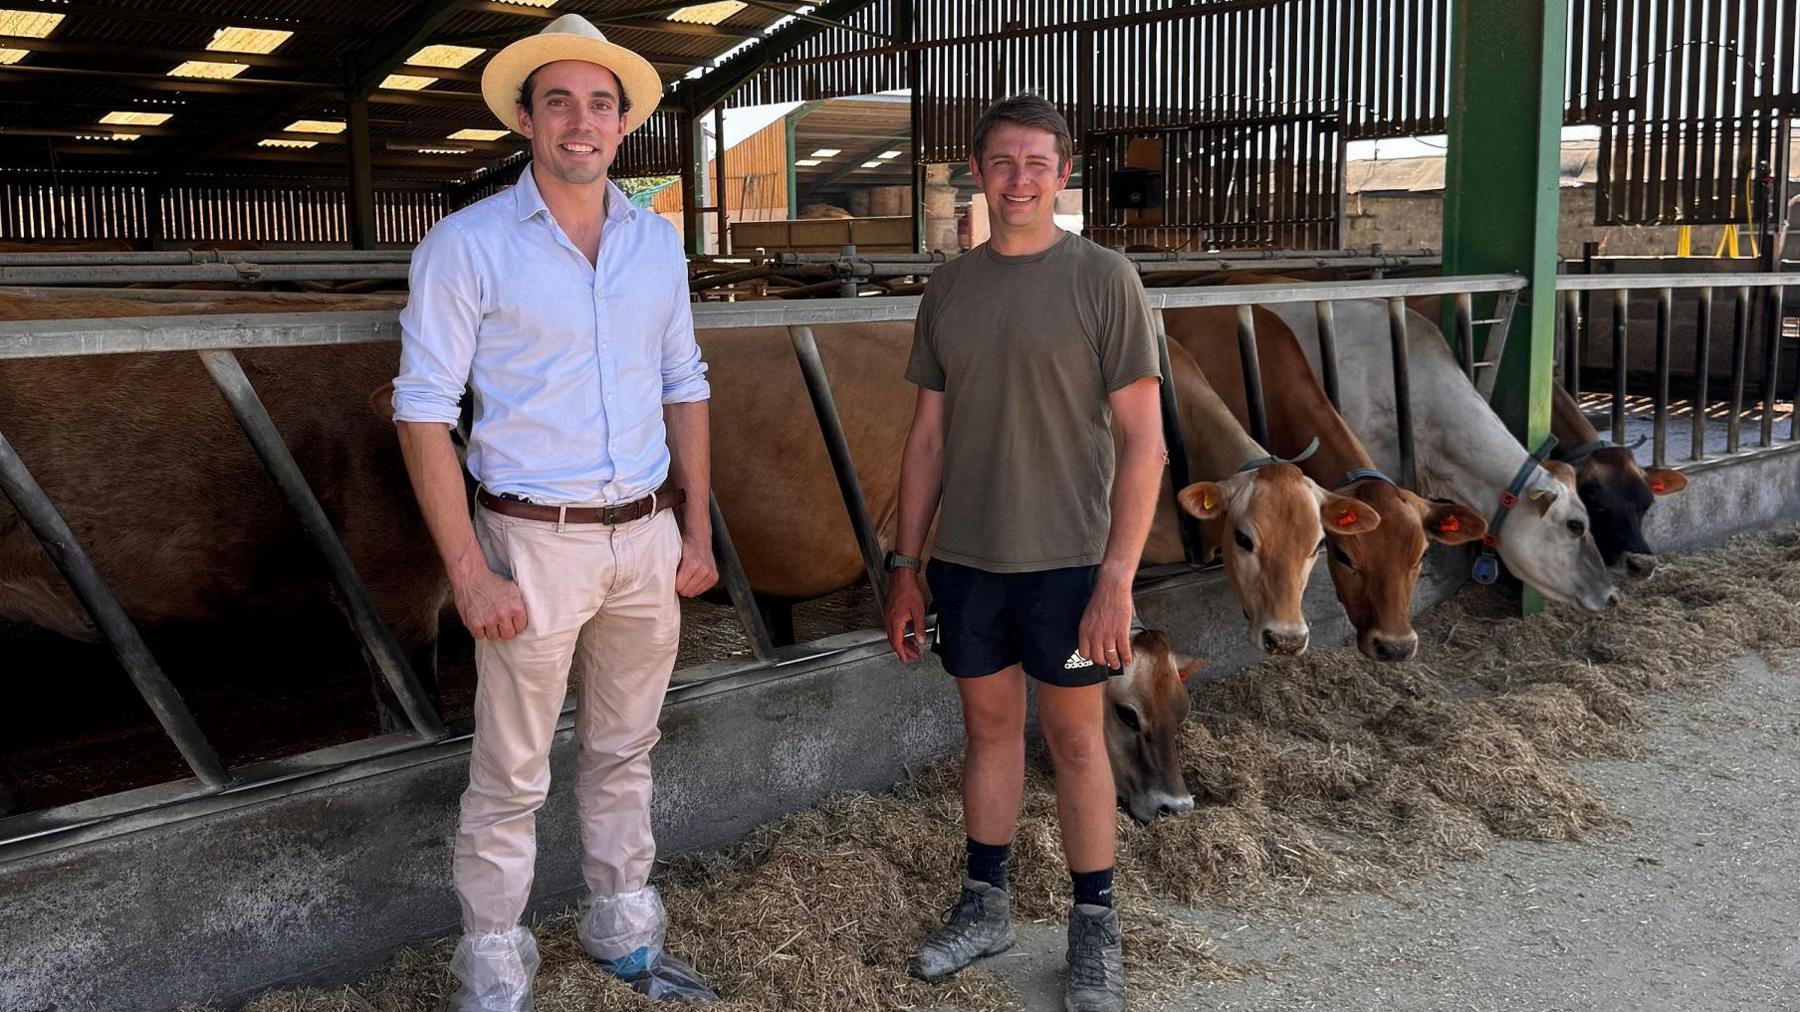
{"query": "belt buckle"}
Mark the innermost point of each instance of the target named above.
(608, 515)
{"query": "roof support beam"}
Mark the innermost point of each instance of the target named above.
(855, 162)
(362, 176)
(715, 85)
(159, 82)
(374, 60)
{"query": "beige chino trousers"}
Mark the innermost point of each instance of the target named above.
(603, 596)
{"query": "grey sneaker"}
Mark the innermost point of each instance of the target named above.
(980, 925)
(1096, 961)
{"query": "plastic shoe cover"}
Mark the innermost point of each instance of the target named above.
(614, 928)
(495, 970)
(668, 978)
(624, 934)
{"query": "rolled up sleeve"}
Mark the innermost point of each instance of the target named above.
(683, 370)
(438, 328)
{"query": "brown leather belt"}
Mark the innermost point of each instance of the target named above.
(623, 513)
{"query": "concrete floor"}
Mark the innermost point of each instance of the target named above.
(1693, 908)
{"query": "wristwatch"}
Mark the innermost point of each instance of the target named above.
(895, 560)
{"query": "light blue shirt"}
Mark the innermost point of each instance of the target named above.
(570, 363)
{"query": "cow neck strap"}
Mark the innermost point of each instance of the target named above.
(1586, 449)
(1251, 465)
(1487, 565)
(1357, 474)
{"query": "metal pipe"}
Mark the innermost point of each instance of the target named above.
(1702, 373)
(1252, 366)
(728, 278)
(389, 661)
(1495, 349)
(1621, 325)
(239, 272)
(1176, 445)
(1465, 334)
(1665, 309)
(737, 584)
(1571, 345)
(837, 445)
(65, 552)
(1403, 420)
(1740, 353)
(204, 256)
(1771, 361)
(1326, 317)
(1594, 282)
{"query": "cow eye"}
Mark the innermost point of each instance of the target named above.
(1577, 528)
(1244, 542)
(1127, 716)
(1342, 557)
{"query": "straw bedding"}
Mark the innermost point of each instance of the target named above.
(1321, 773)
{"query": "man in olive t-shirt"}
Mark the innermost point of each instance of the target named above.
(1028, 352)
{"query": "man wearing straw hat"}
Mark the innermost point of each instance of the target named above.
(566, 311)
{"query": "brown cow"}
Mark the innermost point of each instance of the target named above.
(148, 466)
(1146, 708)
(1265, 523)
(1375, 572)
(1614, 487)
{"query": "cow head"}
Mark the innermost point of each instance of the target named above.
(1374, 572)
(1267, 524)
(1145, 709)
(1547, 543)
(1617, 492)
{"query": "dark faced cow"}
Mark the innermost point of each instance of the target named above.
(1615, 488)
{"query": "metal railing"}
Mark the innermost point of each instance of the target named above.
(215, 337)
(1578, 292)
(811, 272)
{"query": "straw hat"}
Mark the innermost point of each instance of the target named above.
(570, 37)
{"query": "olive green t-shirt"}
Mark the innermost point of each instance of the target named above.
(1026, 350)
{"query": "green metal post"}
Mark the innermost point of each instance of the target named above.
(1501, 183)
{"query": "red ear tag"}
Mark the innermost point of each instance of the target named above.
(1451, 525)
(1347, 518)
(1182, 674)
(1659, 486)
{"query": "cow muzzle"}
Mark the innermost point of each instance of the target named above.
(1149, 806)
(1639, 565)
(1285, 641)
(1394, 648)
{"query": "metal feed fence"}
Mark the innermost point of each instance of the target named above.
(1576, 323)
(216, 338)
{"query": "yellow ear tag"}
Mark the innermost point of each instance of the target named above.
(1207, 500)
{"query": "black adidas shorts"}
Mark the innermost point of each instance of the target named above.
(989, 621)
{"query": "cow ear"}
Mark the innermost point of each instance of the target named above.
(381, 401)
(1204, 499)
(1187, 667)
(1341, 514)
(1561, 471)
(1665, 480)
(1451, 524)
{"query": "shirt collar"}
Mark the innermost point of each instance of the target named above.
(529, 201)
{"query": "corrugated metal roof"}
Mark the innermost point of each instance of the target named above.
(110, 55)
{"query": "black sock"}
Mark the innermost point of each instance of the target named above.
(1093, 887)
(987, 862)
